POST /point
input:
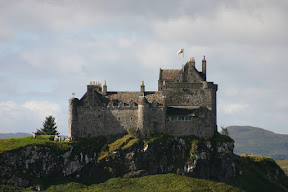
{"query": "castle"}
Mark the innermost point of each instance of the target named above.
(185, 104)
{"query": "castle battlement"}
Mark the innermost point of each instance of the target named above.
(185, 104)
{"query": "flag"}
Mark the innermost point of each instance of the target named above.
(180, 51)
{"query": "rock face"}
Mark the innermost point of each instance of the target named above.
(196, 158)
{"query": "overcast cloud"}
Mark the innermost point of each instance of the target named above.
(51, 48)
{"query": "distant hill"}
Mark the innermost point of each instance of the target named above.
(16, 135)
(13, 135)
(258, 141)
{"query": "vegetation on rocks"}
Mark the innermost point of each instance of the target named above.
(252, 173)
(284, 165)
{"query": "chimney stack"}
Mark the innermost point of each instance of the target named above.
(204, 67)
(105, 88)
(192, 61)
(142, 91)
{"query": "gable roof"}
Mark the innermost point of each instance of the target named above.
(168, 74)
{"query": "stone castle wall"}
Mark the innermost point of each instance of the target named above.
(91, 121)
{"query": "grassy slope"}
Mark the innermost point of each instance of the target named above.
(17, 143)
(252, 178)
(258, 141)
(284, 165)
(165, 182)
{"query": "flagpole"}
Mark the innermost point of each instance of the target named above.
(183, 57)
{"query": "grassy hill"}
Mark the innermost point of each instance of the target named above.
(253, 173)
(257, 141)
(164, 182)
(16, 143)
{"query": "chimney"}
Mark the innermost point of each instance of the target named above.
(192, 60)
(105, 88)
(204, 67)
(142, 91)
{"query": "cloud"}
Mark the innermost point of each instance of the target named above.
(261, 23)
(29, 116)
(233, 108)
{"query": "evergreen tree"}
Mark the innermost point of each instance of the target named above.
(49, 126)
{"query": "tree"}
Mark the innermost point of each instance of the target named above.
(224, 131)
(49, 126)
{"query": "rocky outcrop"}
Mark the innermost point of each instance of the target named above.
(207, 159)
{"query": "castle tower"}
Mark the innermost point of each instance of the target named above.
(143, 117)
(204, 68)
(72, 120)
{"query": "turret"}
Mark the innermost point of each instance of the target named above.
(72, 120)
(204, 68)
(143, 117)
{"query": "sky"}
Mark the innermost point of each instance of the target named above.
(50, 49)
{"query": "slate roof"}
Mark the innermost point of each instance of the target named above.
(180, 111)
(169, 74)
(127, 97)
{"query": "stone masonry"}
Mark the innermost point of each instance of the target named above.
(185, 104)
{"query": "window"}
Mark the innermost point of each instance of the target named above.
(188, 118)
(154, 104)
(132, 105)
(110, 105)
(174, 118)
(121, 105)
(181, 118)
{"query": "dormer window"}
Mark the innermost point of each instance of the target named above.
(110, 105)
(121, 105)
(154, 104)
(132, 105)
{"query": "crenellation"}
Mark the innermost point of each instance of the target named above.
(185, 104)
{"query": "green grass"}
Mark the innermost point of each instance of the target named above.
(17, 143)
(284, 165)
(164, 182)
(130, 143)
(117, 145)
(120, 144)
